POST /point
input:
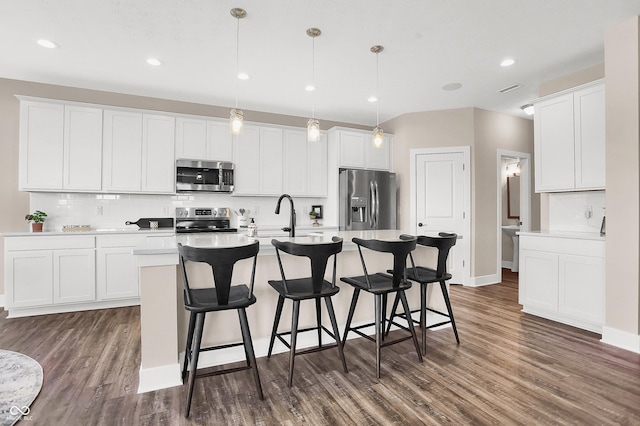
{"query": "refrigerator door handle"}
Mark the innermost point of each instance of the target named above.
(372, 205)
(377, 211)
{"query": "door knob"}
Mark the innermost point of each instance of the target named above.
(420, 224)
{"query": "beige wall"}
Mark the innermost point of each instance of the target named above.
(559, 84)
(15, 204)
(485, 132)
(622, 110)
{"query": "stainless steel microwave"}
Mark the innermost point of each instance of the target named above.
(205, 176)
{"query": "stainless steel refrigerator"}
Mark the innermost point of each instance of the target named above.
(367, 200)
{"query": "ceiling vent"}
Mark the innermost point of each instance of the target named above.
(510, 88)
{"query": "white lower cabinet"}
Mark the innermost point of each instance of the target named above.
(563, 279)
(117, 274)
(63, 273)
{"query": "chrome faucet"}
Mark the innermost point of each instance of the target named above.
(292, 219)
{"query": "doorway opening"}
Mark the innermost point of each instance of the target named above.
(514, 206)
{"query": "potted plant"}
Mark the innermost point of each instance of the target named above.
(36, 219)
(313, 215)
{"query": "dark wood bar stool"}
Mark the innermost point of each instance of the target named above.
(222, 297)
(380, 285)
(425, 276)
(313, 287)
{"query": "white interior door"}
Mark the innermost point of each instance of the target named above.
(441, 205)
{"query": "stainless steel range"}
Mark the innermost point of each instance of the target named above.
(203, 219)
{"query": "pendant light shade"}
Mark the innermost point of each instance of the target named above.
(313, 130)
(236, 117)
(313, 125)
(378, 134)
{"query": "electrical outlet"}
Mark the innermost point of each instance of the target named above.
(588, 212)
(256, 210)
(99, 210)
(165, 211)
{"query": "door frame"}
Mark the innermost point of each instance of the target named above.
(525, 199)
(466, 152)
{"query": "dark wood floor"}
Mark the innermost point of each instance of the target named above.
(510, 368)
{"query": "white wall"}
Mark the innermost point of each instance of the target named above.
(567, 211)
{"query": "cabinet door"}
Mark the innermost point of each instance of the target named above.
(377, 158)
(117, 274)
(41, 145)
(271, 161)
(581, 287)
(219, 141)
(296, 162)
(246, 156)
(590, 138)
(29, 278)
(122, 151)
(191, 138)
(554, 144)
(538, 287)
(74, 275)
(317, 169)
(158, 154)
(82, 148)
(351, 149)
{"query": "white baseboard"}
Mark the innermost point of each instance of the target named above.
(1, 300)
(507, 264)
(484, 280)
(165, 376)
(621, 339)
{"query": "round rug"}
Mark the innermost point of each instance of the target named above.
(20, 383)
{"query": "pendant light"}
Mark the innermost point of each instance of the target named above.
(378, 134)
(236, 118)
(313, 125)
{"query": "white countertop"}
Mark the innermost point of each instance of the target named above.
(157, 245)
(99, 231)
(563, 234)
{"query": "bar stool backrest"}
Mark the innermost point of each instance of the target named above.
(400, 250)
(443, 243)
(318, 254)
(221, 260)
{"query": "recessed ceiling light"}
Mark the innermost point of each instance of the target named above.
(507, 62)
(154, 61)
(310, 88)
(47, 43)
(243, 76)
(372, 99)
(452, 86)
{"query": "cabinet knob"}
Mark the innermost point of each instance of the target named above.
(420, 224)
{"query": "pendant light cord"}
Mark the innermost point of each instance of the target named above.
(313, 77)
(377, 91)
(237, 58)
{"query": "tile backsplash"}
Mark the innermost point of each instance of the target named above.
(113, 210)
(567, 211)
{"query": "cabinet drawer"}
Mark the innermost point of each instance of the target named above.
(49, 242)
(127, 240)
(594, 248)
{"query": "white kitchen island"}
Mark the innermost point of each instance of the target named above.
(164, 319)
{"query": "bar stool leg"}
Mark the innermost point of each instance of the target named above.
(187, 351)
(378, 325)
(384, 316)
(336, 333)
(195, 352)
(445, 293)
(294, 335)
(352, 308)
(248, 348)
(393, 313)
(319, 321)
(276, 322)
(423, 317)
(405, 305)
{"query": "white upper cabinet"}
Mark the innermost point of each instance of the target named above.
(82, 148)
(122, 151)
(271, 160)
(199, 139)
(138, 154)
(569, 140)
(60, 147)
(158, 160)
(246, 156)
(356, 149)
(305, 165)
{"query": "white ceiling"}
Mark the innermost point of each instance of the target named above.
(428, 43)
